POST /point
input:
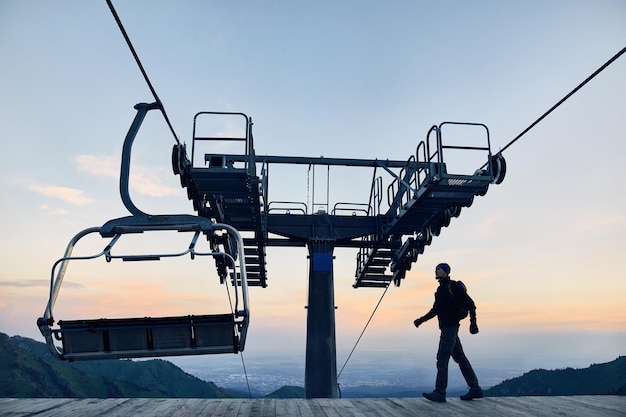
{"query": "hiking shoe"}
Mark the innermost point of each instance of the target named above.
(471, 394)
(435, 396)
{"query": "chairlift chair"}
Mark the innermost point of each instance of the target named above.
(151, 336)
(106, 338)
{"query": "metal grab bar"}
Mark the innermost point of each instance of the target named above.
(247, 138)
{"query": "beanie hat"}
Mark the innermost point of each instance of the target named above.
(445, 267)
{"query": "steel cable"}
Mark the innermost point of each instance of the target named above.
(243, 363)
(362, 332)
(598, 71)
(143, 71)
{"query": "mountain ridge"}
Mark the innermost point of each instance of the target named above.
(28, 370)
(597, 379)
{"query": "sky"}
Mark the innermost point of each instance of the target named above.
(541, 253)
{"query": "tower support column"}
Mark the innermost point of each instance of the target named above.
(320, 379)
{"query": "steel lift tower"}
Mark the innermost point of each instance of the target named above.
(408, 204)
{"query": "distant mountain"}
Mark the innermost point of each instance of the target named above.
(287, 391)
(599, 379)
(28, 370)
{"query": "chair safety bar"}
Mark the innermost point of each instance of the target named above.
(150, 336)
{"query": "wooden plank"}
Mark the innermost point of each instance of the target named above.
(385, 408)
(182, 407)
(588, 405)
(281, 409)
(600, 402)
(344, 407)
(163, 406)
(292, 408)
(530, 406)
(367, 407)
(233, 408)
(221, 409)
(208, 409)
(188, 407)
(397, 407)
(141, 406)
(304, 406)
(505, 407)
(482, 406)
(401, 407)
(321, 407)
(76, 408)
(71, 407)
(550, 406)
(326, 407)
(22, 407)
(454, 407)
(363, 407)
(313, 407)
(257, 408)
(350, 409)
(246, 408)
(265, 407)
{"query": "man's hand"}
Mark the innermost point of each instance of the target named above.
(417, 322)
(473, 327)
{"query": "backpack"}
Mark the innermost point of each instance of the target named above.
(462, 312)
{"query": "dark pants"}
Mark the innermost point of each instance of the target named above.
(450, 346)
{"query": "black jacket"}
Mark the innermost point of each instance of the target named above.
(450, 295)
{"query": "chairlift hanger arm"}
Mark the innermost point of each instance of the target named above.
(142, 110)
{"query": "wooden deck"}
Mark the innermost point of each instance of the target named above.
(578, 406)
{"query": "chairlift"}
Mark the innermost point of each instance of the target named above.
(115, 338)
(106, 338)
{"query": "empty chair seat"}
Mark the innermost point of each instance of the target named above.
(216, 333)
(148, 337)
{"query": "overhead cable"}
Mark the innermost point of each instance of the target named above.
(363, 331)
(143, 71)
(598, 71)
(243, 363)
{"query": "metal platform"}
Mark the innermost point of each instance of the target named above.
(228, 190)
(390, 234)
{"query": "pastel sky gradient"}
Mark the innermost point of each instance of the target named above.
(542, 253)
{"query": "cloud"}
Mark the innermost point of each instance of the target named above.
(26, 283)
(53, 211)
(148, 181)
(70, 195)
(31, 283)
(144, 180)
(99, 166)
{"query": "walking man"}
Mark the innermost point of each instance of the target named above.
(452, 304)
